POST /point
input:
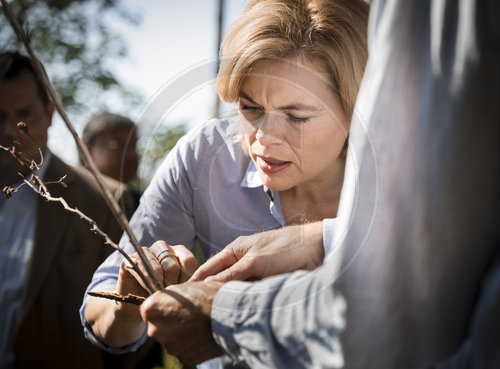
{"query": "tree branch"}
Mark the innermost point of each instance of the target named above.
(133, 299)
(37, 185)
(115, 209)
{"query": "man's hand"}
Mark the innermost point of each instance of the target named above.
(268, 253)
(179, 318)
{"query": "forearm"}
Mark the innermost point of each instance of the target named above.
(267, 253)
(303, 243)
(315, 239)
(114, 323)
(289, 249)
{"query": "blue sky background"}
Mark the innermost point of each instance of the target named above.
(172, 37)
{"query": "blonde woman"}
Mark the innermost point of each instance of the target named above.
(294, 68)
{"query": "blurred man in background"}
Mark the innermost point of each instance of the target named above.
(112, 143)
(47, 255)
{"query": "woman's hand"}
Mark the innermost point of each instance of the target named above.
(171, 265)
(118, 323)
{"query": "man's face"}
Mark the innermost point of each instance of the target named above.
(114, 153)
(20, 102)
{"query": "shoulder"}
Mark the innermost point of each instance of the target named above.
(210, 135)
(213, 138)
(211, 149)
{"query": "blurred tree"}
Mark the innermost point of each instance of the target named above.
(154, 147)
(74, 42)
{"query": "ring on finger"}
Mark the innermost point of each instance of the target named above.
(165, 254)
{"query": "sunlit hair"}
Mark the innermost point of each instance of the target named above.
(332, 31)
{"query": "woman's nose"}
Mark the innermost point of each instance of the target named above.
(269, 128)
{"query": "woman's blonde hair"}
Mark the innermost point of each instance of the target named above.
(332, 31)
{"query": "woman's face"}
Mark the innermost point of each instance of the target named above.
(295, 125)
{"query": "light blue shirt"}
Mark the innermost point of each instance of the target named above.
(18, 218)
(207, 190)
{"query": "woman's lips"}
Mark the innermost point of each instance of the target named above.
(271, 165)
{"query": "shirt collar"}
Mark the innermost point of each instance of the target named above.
(46, 160)
(39, 172)
(251, 179)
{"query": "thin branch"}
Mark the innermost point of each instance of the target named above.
(133, 299)
(110, 201)
(44, 192)
(37, 185)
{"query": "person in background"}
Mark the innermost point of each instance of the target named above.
(112, 143)
(418, 284)
(294, 69)
(47, 254)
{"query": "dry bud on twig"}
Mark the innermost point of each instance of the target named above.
(7, 191)
(23, 127)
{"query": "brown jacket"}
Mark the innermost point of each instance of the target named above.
(65, 255)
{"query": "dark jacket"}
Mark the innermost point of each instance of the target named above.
(65, 255)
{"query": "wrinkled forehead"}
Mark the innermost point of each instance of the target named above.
(296, 78)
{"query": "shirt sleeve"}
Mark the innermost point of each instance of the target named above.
(281, 321)
(328, 234)
(104, 279)
(164, 213)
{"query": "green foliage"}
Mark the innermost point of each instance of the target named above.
(74, 42)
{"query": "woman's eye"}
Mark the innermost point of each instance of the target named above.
(249, 109)
(295, 119)
(250, 112)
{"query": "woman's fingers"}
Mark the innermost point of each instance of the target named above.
(127, 270)
(171, 264)
(166, 258)
(187, 260)
(177, 261)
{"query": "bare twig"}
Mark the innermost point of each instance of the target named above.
(115, 209)
(133, 299)
(37, 185)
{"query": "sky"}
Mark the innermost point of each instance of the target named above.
(173, 39)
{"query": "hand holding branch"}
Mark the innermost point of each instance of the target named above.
(179, 318)
(119, 324)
